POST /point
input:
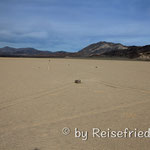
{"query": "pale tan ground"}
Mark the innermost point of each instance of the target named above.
(37, 101)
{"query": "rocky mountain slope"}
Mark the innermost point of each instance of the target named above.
(108, 49)
(100, 48)
(131, 52)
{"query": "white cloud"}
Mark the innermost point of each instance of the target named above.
(40, 34)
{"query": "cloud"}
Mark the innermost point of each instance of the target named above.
(71, 25)
(39, 35)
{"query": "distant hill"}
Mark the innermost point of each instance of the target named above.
(108, 49)
(21, 51)
(30, 52)
(100, 49)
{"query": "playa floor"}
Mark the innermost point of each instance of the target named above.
(38, 98)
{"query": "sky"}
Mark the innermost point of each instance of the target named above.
(70, 25)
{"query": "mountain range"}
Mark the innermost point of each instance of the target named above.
(100, 49)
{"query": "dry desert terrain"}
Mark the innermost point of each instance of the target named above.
(38, 98)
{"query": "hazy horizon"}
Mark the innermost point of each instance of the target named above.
(66, 50)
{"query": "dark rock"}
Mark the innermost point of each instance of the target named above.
(77, 81)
